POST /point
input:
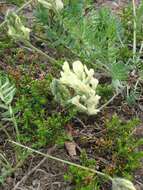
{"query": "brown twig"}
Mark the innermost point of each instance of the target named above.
(23, 180)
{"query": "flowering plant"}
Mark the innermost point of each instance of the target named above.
(50, 4)
(16, 29)
(81, 80)
(122, 184)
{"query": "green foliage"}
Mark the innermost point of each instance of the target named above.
(120, 141)
(94, 36)
(5, 43)
(119, 71)
(16, 2)
(118, 147)
(132, 97)
(16, 29)
(40, 123)
(51, 130)
(81, 179)
(105, 91)
(127, 22)
(60, 92)
(7, 92)
(127, 18)
(93, 39)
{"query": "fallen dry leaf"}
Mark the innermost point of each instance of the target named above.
(70, 130)
(138, 131)
(71, 148)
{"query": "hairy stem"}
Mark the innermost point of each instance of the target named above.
(14, 123)
(52, 60)
(109, 101)
(64, 161)
(134, 32)
(3, 128)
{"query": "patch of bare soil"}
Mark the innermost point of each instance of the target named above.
(40, 174)
(115, 5)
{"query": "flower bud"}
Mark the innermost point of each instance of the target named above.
(52, 4)
(16, 29)
(59, 5)
(46, 4)
(122, 184)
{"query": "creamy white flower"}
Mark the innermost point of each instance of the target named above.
(69, 78)
(92, 111)
(83, 98)
(66, 67)
(45, 3)
(94, 82)
(76, 101)
(89, 73)
(93, 100)
(59, 5)
(52, 4)
(92, 103)
(122, 184)
(81, 80)
(78, 69)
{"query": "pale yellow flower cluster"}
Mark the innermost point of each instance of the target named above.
(122, 184)
(52, 4)
(82, 81)
(16, 29)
